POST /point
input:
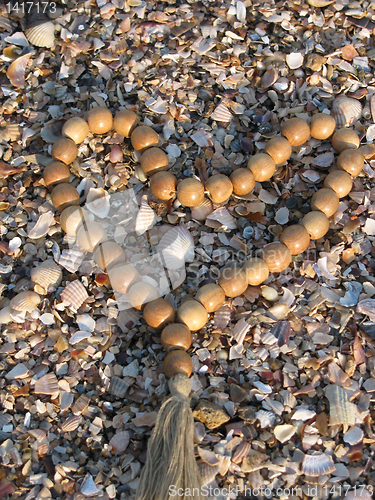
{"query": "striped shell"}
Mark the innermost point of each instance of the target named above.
(80, 405)
(346, 111)
(208, 472)
(41, 34)
(201, 211)
(317, 465)
(47, 385)
(25, 301)
(71, 424)
(360, 493)
(119, 442)
(341, 410)
(118, 387)
(177, 247)
(222, 114)
(146, 217)
(47, 275)
(74, 295)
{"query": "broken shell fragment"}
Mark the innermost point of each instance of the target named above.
(317, 465)
(16, 71)
(47, 275)
(25, 301)
(346, 111)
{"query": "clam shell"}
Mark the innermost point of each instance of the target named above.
(16, 71)
(222, 216)
(201, 211)
(241, 452)
(341, 411)
(41, 34)
(80, 405)
(42, 226)
(118, 387)
(346, 111)
(88, 487)
(47, 275)
(294, 60)
(71, 424)
(25, 301)
(269, 78)
(47, 385)
(146, 217)
(177, 247)
(52, 131)
(97, 202)
(5, 315)
(284, 432)
(221, 114)
(119, 442)
(208, 472)
(317, 465)
(38, 434)
(74, 295)
(367, 307)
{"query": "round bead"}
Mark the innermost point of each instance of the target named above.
(279, 149)
(233, 281)
(100, 120)
(56, 173)
(108, 254)
(71, 218)
(345, 138)
(65, 150)
(316, 223)
(125, 122)
(296, 238)
(76, 129)
(64, 195)
(192, 314)
(144, 137)
(296, 130)
(176, 336)
(211, 296)
(322, 126)
(122, 277)
(326, 201)
(90, 234)
(141, 293)
(219, 188)
(158, 313)
(243, 181)
(340, 182)
(262, 166)
(351, 161)
(177, 361)
(190, 192)
(256, 271)
(163, 185)
(154, 160)
(277, 257)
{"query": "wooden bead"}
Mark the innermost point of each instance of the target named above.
(64, 195)
(219, 188)
(100, 120)
(122, 277)
(192, 314)
(125, 122)
(141, 293)
(76, 129)
(153, 160)
(326, 201)
(256, 271)
(233, 281)
(158, 313)
(177, 361)
(345, 138)
(316, 223)
(144, 137)
(277, 257)
(108, 254)
(190, 192)
(163, 185)
(90, 234)
(296, 238)
(322, 126)
(296, 130)
(211, 296)
(243, 181)
(65, 150)
(262, 166)
(339, 181)
(279, 149)
(71, 218)
(56, 173)
(176, 336)
(351, 161)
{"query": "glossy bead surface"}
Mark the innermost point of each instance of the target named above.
(322, 126)
(262, 167)
(219, 188)
(325, 200)
(144, 137)
(340, 182)
(296, 238)
(345, 138)
(256, 271)
(141, 293)
(176, 336)
(190, 192)
(108, 254)
(76, 129)
(243, 181)
(351, 161)
(71, 218)
(122, 277)
(233, 281)
(100, 120)
(279, 149)
(177, 361)
(158, 313)
(154, 160)
(192, 314)
(296, 130)
(90, 234)
(316, 223)
(64, 195)
(163, 185)
(65, 150)
(56, 173)
(277, 257)
(211, 296)
(125, 122)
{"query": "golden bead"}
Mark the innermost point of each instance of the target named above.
(296, 238)
(71, 218)
(90, 234)
(262, 166)
(122, 277)
(190, 192)
(339, 181)
(64, 195)
(219, 188)
(65, 150)
(177, 361)
(296, 130)
(256, 271)
(176, 336)
(211, 296)
(277, 257)
(141, 293)
(108, 254)
(322, 126)
(56, 173)
(345, 138)
(100, 120)
(125, 122)
(153, 160)
(243, 181)
(233, 281)
(163, 185)
(158, 313)
(76, 129)
(351, 161)
(144, 137)
(192, 314)
(279, 149)
(326, 201)
(316, 223)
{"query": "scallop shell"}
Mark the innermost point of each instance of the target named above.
(71, 424)
(16, 71)
(38, 434)
(119, 442)
(241, 452)
(70, 259)
(146, 217)
(97, 202)
(208, 472)
(74, 295)
(266, 418)
(5, 315)
(201, 211)
(317, 465)
(222, 114)
(41, 227)
(346, 111)
(118, 387)
(81, 405)
(41, 34)
(52, 131)
(341, 411)
(176, 247)
(360, 493)
(47, 385)
(222, 216)
(47, 275)
(25, 301)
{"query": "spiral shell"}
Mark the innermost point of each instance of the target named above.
(41, 34)
(25, 301)
(47, 275)
(346, 111)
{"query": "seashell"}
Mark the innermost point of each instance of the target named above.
(265, 418)
(6, 489)
(223, 216)
(208, 472)
(38, 434)
(341, 411)
(320, 3)
(116, 155)
(119, 442)
(52, 131)
(71, 259)
(41, 34)
(353, 436)
(74, 295)
(41, 227)
(303, 414)
(221, 114)
(176, 247)
(77, 337)
(284, 432)
(317, 465)
(88, 487)
(177, 361)
(90, 234)
(346, 111)
(222, 317)
(25, 301)
(71, 424)
(367, 307)
(360, 493)
(71, 218)
(146, 217)
(118, 387)
(242, 451)
(80, 405)
(47, 275)
(97, 201)
(16, 71)
(269, 78)
(47, 385)
(5, 315)
(294, 60)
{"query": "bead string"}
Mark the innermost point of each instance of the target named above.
(193, 314)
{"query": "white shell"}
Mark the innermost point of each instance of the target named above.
(201, 211)
(119, 442)
(222, 216)
(208, 473)
(47, 275)
(88, 487)
(284, 432)
(294, 60)
(303, 414)
(353, 436)
(74, 295)
(25, 301)
(41, 34)
(341, 411)
(177, 247)
(5, 315)
(146, 217)
(97, 202)
(79, 336)
(52, 130)
(317, 465)
(346, 111)
(47, 385)
(266, 418)
(221, 114)
(41, 227)
(222, 317)
(360, 493)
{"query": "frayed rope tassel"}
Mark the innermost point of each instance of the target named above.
(171, 469)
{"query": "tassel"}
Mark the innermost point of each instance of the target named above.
(171, 470)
